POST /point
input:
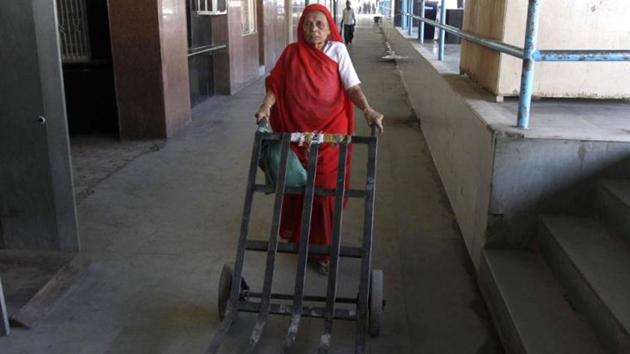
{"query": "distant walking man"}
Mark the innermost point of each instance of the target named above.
(348, 21)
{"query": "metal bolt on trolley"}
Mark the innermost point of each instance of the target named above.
(234, 293)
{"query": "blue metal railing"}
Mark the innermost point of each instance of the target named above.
(529, 54)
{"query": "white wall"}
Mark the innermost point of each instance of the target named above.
(451, 4)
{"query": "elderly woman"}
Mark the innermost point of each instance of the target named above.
(313, 88)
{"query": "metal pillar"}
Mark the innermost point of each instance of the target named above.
(421, 23)
(442, 32)
(527, 73)
(403, 8)
(38, 183)
(410, 29)
(4, 316)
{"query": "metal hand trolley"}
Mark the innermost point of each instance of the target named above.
(234, 293)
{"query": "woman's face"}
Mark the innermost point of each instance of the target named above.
(316, 29)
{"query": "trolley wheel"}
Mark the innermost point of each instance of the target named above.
(377, 315)
(225, 287)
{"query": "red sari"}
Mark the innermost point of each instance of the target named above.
(310, 97)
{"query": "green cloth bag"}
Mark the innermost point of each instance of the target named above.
(270, 162)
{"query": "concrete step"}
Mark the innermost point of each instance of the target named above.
(594, 267)
(529, 308)
(613, 206)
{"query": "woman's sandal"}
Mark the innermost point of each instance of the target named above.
(324, 267)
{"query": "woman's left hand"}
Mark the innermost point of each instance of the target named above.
(374, 118)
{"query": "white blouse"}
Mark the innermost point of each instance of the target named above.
(338, 52)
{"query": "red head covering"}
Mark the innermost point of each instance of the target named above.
(334, 33)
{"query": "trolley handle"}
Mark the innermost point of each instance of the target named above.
(373, 129)
(265, 123)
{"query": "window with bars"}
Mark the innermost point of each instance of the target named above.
(248, 16)
(73, 31)
(209, 7)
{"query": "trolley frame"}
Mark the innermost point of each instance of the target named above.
(240, 299)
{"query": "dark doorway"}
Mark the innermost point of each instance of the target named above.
(87, 67)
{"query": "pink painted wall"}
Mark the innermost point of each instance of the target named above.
(278, 30)
(243, 50)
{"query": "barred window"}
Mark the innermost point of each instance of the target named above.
(248, 16)
(209, 7)
(73, 31)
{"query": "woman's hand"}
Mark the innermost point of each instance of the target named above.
(374, 118)
(371, 116)
(263, 113)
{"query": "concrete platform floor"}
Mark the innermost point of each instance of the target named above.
(158, 231)
(96, 157)
(551, 118)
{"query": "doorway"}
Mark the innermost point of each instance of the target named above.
(88, 72)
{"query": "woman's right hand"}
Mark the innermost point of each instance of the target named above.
(262, 113)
